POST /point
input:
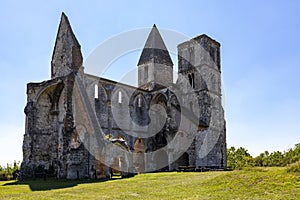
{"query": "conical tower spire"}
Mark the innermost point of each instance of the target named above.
(67, 55)
(155, 50)
(155, 66)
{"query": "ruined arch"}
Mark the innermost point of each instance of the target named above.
(120, 111)
(158, 113)
(160, 98)
(53, 92)
(48, 87)
(139, 110)
(47, 104)
(42, 117)
(138, 156)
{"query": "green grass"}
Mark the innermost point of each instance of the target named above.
(251, 183)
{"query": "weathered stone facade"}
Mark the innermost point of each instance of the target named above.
(63, 113)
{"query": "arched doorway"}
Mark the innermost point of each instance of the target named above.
(139, 150)
(157, 128)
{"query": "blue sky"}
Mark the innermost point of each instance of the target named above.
(260, 57)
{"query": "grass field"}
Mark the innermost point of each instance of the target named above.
(252, 183)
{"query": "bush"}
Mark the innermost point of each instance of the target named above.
(9, 172)
(295, 167)
(4, 176)
(239, 158)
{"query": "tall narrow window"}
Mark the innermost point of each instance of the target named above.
(190, 79)
(146, 73)
(120, 97)
(140, 76)
(139, 101)
(96, 92)
(193, 80)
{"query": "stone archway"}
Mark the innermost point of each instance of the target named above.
(158, 114)
(139, 159)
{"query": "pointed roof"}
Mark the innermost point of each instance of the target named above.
(66, 50)
(155, 50)
(64, 27)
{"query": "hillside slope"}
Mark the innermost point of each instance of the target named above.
(252, 183)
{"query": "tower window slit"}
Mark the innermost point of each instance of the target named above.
(190, 79)
(193, 80)
(96, 96)
(120, 97)
(140, 102)
(146, 73)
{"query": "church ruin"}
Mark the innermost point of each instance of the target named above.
(81, 126)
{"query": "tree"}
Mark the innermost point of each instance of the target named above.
(292, 155)
(239, 158)
(276, 159)
(259, 160)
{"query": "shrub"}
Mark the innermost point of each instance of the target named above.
(239, 158)
(5, 176)
(294, 168)
(10, 171)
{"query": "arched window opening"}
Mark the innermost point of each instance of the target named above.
(193, 80)
(139, 159)
(120, 97)
(146, 73)
(139, 101)
(190, 79)
(96, 92)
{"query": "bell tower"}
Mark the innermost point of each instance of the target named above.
(155, 66)
(199, 62)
